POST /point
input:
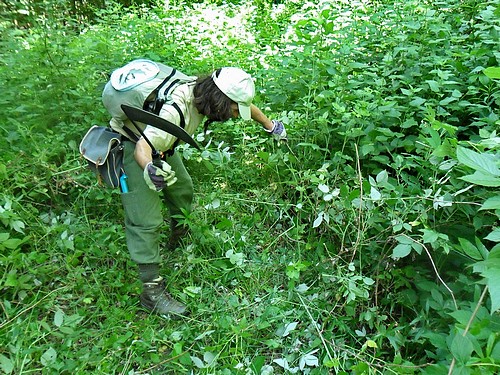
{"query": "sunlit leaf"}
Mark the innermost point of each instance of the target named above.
(382, 177)
(417, 101)
(483, 179)
(371, 344)
(375, 194)
(494, 235)
(317, 222)
(48, 357)
(6, 364)
(481, 162)
(492, 203)
(324, 188)
(197, 362)
(492, 72)
(493, 279)
(401, 250)
(434, 86)
(287, 329)
(58, 318)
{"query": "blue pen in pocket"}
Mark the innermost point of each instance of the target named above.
(123, 183)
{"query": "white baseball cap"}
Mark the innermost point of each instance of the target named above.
(238, 86)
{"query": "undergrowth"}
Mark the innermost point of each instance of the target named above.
(366, 244)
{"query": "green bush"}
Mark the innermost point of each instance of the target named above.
(367, 243)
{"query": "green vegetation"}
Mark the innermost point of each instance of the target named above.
(367, 244)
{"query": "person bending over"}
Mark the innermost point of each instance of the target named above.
(226, 93)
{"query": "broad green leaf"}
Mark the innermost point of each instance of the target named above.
(482, 249)
(375, 194)
(282, 362)
(197, 362)
(417, 101)
(257, 364)
(360, 368)
(18, 226)
(6, 364)
(12, 279)
(209, 358)
(292, 273)
(367, 149)
(430, 236)
(309, 360)
(470, 249)
(490, 269)
(442, 125)
(492, 72)
(401, 250)
(357, 65)
(404, 240)
(492, 203)
(192, 291)
(461, 348)
(492, 276)
(481, 162)
(494, 235)
(461, 316)
(447, 100)
(58, 318)
(48, 357)
(235, 258)
(482, 179)
(382, 177)
(435, 139)
(417, 247)
(495, 352)
(285, 331)
(317, 222)
(433, 85)
(371, 344)
(368, 281)
(494, 254)
(324, 188)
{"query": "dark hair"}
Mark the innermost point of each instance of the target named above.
(210, 101)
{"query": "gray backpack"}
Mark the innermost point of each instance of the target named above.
(102, 147)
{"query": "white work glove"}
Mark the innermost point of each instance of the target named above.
(278, 131)
(157, 177)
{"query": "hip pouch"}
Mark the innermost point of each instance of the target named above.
(103, 149)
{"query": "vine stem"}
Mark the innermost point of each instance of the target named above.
(435, 269)
(469, 323)
(3, 324)
(360, 209)
(316, 327)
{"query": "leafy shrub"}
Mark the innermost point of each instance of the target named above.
(368, 243)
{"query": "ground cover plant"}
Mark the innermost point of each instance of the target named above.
(366, 244)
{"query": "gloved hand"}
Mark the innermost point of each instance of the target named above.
(278, 131)
(157, 177)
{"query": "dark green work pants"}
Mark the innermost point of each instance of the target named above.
(143, 206)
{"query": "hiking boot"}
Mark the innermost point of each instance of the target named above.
(154, 297)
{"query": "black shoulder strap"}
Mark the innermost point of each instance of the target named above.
(155, 106)
(131, 135)
(182, 124)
